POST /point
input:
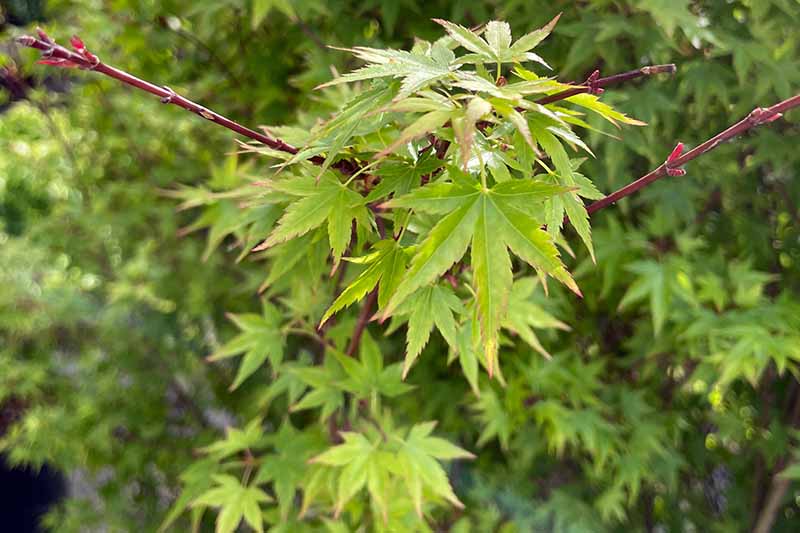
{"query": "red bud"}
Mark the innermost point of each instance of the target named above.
(43, 36)
(676, 153)
(77, 44)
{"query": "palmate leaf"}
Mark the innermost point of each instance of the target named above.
(367, 377)
(333, 136)
(418, 456)
(653, 283)
(496, 45)
(491, 222)
(568, 204)
(418, 70)
(524, 315)
(494, 418)
(386, 266)
(236, 502)
(359, 460)
(286, 467)
(324, 391)
(327, 201)
(411, 459)
(399, 176)
(427, 307)
(260, 338)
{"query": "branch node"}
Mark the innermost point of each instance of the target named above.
(675, 155)
(168, 98)
(761, 115)
(593, 85)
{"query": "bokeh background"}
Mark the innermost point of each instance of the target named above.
(111, 297)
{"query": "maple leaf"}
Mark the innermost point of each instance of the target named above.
(260, 338)
(439, 302)
(496, 45)
(418, 456)
(418, 70)
(327, 201)
(236, 502)
(490, 221)
(385, 266)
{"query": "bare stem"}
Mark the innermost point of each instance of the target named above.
(57, 55)
(672, 166)
(594, 83)
(363, 319)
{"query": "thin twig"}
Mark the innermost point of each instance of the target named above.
(594, 83)
(779, 485)
(676, 160)
(57, 55)
(363, 320)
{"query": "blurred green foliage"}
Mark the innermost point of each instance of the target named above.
(671, 401)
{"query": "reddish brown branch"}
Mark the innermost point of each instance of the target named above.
(594, 83)
(363, 319)
(671, 167)
(56, 55)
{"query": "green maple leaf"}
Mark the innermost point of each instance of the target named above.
(419, 457)
(319, 202)
(427, 307)
(386, 266)
(398, 176)
(236, 502)
(524, 315)
(195, 480)
(494, 418)
(374, 464)
(286, 467)
(353, 119)
(653, 283)
(323, 382)
(490, 220)
(496, 45)
(367, 377)
(236, 440)
(260, 339)
(362, 463)
(418, 69)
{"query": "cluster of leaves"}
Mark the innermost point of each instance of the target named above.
(497, 176)
(663, 397)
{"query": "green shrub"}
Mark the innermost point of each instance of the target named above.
(664, 396)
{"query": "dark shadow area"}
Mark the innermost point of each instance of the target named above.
(26, 495)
